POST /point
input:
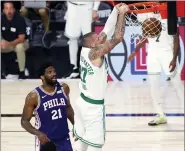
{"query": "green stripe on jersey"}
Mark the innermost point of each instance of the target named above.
(92, 101)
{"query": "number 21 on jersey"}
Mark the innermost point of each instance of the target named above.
(56, 114)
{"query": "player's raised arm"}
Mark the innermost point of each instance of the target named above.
(138, 47)
(70, 112)
(102, 49)
(30, 104)
(109, 26)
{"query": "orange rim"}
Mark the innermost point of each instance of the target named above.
(146, 7)
(144, 3)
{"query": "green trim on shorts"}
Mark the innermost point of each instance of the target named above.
(90, 143)
(92, 101)
(87, 142)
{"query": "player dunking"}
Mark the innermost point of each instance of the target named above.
(51, 105)
(89, 125)
(162, 54)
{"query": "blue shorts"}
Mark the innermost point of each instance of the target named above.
(61, 144)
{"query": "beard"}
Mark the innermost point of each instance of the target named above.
(50, 82)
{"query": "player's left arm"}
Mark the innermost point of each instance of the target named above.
(175, 52)
(101, 50)
(109, 26)
(70, 112)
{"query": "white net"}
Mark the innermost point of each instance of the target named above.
(149, 23)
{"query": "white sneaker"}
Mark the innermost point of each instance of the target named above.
(12, 77)
(160, 119)
(73, 74)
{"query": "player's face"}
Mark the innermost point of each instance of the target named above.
(97, 39)
(94, 36)
(9, 10)
(50, 76)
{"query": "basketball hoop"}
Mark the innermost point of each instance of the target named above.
(140, 12)
(147, 7)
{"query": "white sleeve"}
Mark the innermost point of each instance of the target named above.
(111, 22)
(96, 5)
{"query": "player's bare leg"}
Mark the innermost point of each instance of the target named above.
(156, 95)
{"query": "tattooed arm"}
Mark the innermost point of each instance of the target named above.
(103, 49)
(108, 28)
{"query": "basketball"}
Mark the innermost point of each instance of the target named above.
(151, 28)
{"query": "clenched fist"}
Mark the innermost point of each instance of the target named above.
(122, 8)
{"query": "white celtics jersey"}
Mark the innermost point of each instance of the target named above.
(164, 42)
(93, 82)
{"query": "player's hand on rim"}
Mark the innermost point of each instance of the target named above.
(122, 8)
(43, 138)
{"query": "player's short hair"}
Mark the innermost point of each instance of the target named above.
(50, 146)
(43, 67)
(4, 2)
(85, 38)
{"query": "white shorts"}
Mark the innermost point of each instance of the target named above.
(37, 144)
(159, 60)
(90, 123)
(79, 19)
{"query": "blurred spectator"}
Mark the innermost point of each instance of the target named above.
(78, 20)
(13, 33)
(42, 12)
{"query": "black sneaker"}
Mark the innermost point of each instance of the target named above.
(22, 75)
(74, 74)
(168, 79)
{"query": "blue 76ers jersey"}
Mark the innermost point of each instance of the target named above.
(51, 113)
